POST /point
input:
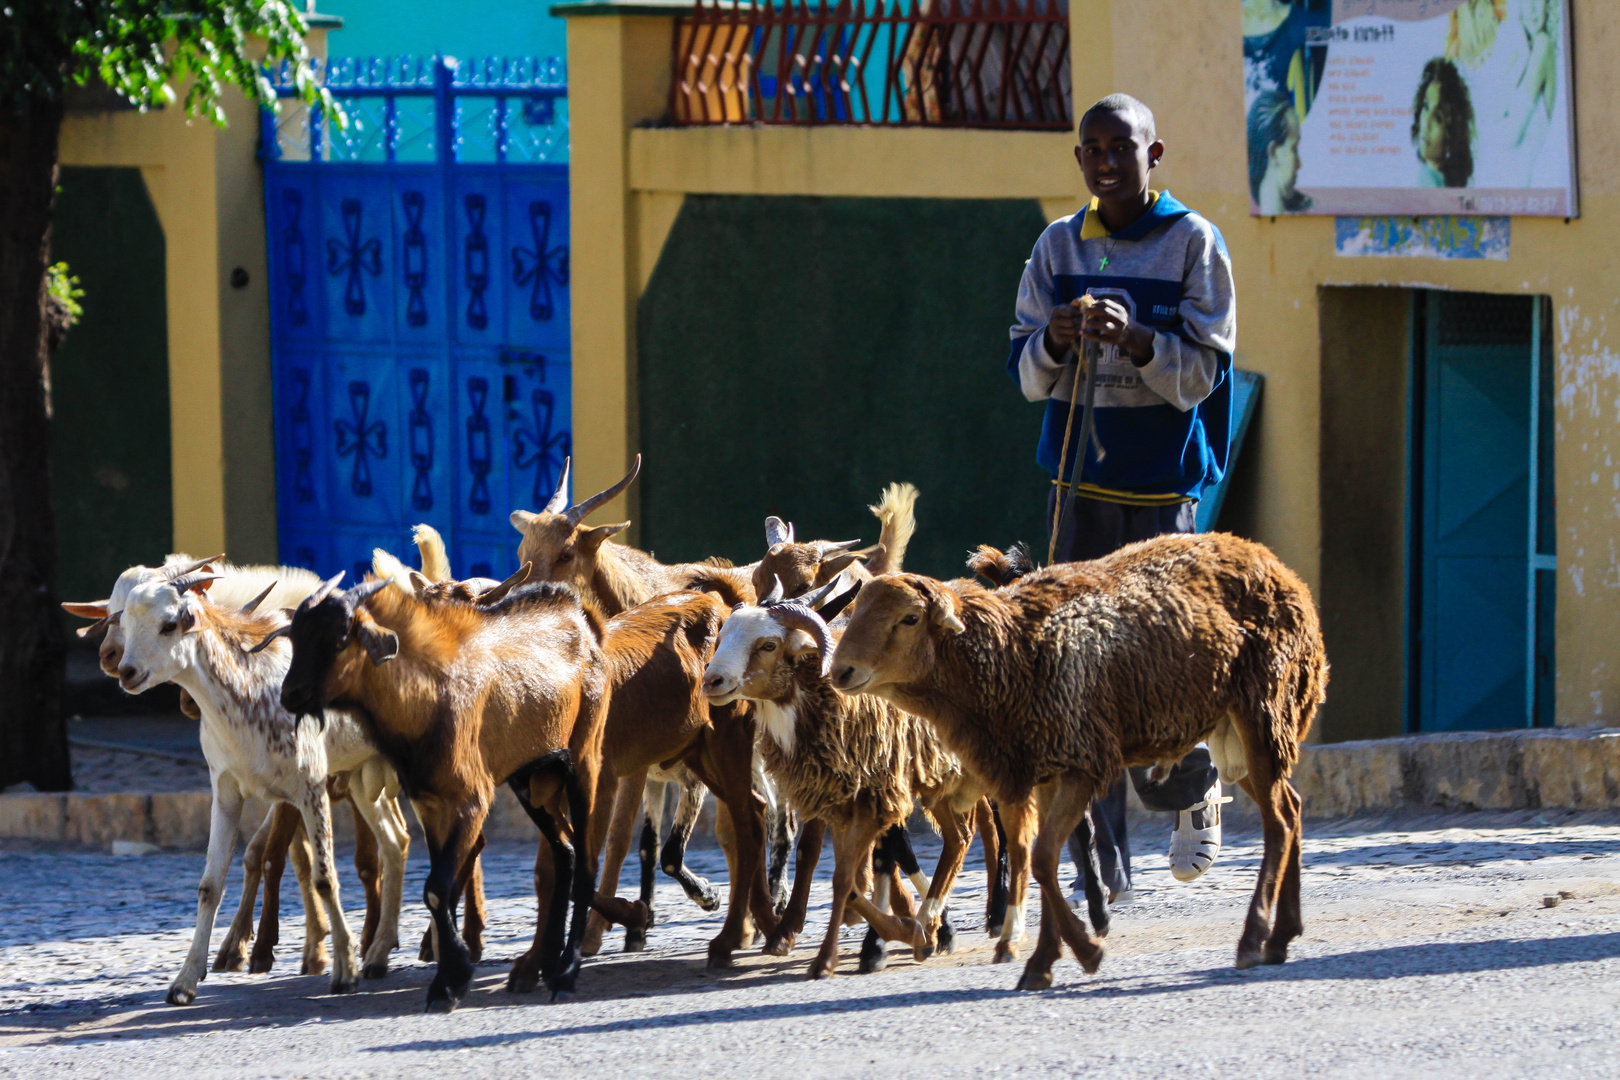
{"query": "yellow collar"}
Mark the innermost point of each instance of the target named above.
(1092, 228)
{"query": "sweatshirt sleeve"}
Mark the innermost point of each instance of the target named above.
(1189, 362)
(1036, 372)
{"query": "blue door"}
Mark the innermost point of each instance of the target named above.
(420, 314)
(1482, 641)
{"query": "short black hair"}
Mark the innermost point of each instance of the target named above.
(1140, 115)
(1269, 119)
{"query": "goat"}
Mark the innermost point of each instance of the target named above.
(802, 565)
(256, 749)
(561, 548)
(463, 697)
(856, 765)
(1049, 687)
(282, 830)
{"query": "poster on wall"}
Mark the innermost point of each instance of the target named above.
(1409, 107)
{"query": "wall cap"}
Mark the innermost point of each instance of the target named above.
(664, 8)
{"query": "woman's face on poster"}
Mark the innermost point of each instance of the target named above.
(1284, 165)
(1432, 127)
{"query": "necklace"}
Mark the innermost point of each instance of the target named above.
(1108, 253)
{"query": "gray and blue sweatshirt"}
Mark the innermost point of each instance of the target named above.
(1163, 427)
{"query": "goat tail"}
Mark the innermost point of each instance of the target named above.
(435, 559)
(1001, 568)
(896, 511)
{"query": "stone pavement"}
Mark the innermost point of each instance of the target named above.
(1429, 952)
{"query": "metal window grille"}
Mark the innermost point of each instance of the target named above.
(489, 109)
(940, 63)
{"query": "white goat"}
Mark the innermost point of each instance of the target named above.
(255, 748)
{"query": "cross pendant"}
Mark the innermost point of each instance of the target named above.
(1104, 264)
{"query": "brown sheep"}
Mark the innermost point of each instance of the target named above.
(1049, 687)
(856, 765)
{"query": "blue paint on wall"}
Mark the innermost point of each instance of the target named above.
(468, 28)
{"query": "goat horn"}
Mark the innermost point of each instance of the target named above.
(814, 598)
(325, 590)
(191, 581)
(577, 513)
(775, 595)
(280, 631)
(559, 500)
(499, 592)
(174, 573)
(253, 605)
(796, 617)
(831, 547)
(366, 589)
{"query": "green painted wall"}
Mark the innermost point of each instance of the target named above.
(797, 354)
(110, 385)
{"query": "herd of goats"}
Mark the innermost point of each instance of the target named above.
(820, 685)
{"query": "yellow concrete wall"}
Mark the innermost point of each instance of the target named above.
(206, 186)
(1183, 57)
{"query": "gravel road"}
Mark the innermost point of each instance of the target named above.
(1429, 952)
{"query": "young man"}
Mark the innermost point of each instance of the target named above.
(1162, 312)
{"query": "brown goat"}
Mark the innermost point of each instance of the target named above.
(463, 698)
(802, 565)
(1049, 687)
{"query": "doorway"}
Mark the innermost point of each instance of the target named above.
(1481, 558)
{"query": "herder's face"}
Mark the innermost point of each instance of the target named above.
(1115, 156)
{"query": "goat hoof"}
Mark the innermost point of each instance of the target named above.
(442, 1005)
(1005, 953)
(818, 970)
(874, 956)
(562, 997)
(719, 956)
(314, 965)
(635, 940)
(260, 963)
(779, 945)
(1090, 967)
(374, 970)
(1276, 954)
(652, 916)
(1099, 929)
(350, 985)
(709, 901)
(1248, 958)
(425, 953)
(992, 929)
(947, 939)
(179, 995)
(234, 962)
(1035, 980)
(475, 949)
(522, 983)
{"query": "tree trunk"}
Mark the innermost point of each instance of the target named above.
(33, 735)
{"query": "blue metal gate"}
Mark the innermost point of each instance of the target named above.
(419, 307)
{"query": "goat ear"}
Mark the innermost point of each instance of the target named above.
(419, 582)
(777, 532)
(521, 518)
(188, 705)
(942, 606)
(95, 610)
(188, 619)
(380, 644)
(591, 539)
(799, 643)
(835, 566)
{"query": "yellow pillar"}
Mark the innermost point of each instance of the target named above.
(618, 76)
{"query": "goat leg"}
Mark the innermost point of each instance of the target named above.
(1083, 848)
(673, 857)
(452, 834)
(993, 836)
(233, 950)
(811, 835)
(367, 867)
(288, 831)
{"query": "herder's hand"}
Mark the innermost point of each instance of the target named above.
(1107, 321)
(1063, 329)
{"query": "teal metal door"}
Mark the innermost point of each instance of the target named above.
(1483, 639)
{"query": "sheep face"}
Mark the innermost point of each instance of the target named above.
(892, 632)
(157, 624)
(755, 658)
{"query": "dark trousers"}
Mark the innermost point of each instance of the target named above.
(1091, 529)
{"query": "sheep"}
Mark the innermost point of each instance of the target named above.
(256, 749)
(855, 764)
(1049, 687)
(282, 829)
(463, 697)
